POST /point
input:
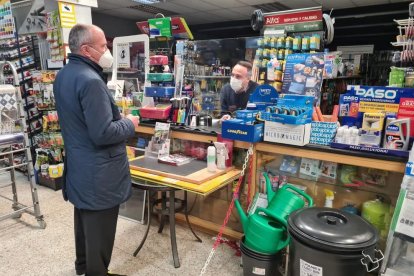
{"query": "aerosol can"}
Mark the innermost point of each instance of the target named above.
(397, 134)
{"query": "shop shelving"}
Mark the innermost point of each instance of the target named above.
(395, 166)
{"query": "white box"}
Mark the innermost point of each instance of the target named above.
(298, 135)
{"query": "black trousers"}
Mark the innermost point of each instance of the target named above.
(94, 240)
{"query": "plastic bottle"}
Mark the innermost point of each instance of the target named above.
(211, 158)
(329, 197)
(339, 135)
(347, 136)
(408, 180)
(354, 136)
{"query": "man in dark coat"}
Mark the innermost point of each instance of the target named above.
(235, 95)
(96, 173)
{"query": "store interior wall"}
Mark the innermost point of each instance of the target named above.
(115, 26)
(354, 26)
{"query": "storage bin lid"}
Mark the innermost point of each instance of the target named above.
(331, 230)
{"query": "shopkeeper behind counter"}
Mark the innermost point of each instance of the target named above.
(235, 95)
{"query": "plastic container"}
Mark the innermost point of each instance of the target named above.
(160, 76)
(160, 112)
(211, 158)
(326, 241)
(156, 91)
(256, 263)
(159, 60)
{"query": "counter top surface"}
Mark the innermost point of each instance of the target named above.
(213, 131)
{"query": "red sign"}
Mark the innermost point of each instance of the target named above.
(293, 18)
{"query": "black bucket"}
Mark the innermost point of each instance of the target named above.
(326, 241)
(256, 263)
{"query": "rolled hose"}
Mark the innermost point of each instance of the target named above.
(329, 31)
(256, 20)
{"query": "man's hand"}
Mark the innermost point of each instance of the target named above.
(232, 108)
(225, 117)
(134, 119)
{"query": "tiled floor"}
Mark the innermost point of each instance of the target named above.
(25, 249)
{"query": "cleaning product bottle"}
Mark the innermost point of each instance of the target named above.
(211, 158)
(329, 197)
(394, 133)
(222, 155)
(408, 180)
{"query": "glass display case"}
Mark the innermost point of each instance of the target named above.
(365, 186)
(362, 183)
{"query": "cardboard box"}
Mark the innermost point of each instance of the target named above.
(323, 133)
(298, 135)
(236, 130)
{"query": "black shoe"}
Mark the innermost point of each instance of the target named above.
(80, 272)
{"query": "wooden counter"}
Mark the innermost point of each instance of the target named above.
(370, 160)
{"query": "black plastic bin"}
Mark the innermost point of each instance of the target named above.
(256, 263)
(327, 241)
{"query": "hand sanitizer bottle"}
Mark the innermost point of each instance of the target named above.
(211, 158)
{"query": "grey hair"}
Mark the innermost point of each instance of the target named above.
(246, 65)
(79, 35)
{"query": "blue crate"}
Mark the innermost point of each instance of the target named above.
(156, 91)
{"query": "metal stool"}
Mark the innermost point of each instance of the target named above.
(165, 210)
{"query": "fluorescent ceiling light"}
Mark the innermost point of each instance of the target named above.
(148, 2)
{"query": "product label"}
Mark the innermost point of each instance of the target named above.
(307, 269)
(292, 18)
(406, 110)
(405, 223)
(259, 271)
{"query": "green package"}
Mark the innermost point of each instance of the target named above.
(160, 26)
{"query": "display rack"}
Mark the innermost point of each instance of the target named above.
(12, 115)
(50, 148)
(21, 52)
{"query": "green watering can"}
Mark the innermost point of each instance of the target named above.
(285, 200)
(263, 234)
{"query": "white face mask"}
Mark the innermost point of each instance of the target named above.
(106, 60)
(236, 84)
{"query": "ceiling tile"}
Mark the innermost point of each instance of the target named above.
(256, 2)
(225, 3)
(230, 14)
(175, 7)
(196, 5)
(361, 3)
(397, 1)
(338, 4)
(204, 17)
(298, 4)
(244, 10)
(107, 5)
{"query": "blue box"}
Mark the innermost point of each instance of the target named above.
(302, 104)
(156, 91)
(248, 116)
(235, 129)
(323, 133)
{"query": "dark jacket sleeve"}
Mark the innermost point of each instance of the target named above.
(223, 100)
(96, 106)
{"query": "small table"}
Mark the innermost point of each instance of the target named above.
(170, 185)
(165, 210)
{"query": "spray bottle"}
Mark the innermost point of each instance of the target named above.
(329, 197)
(222, 155)
(211, 158)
